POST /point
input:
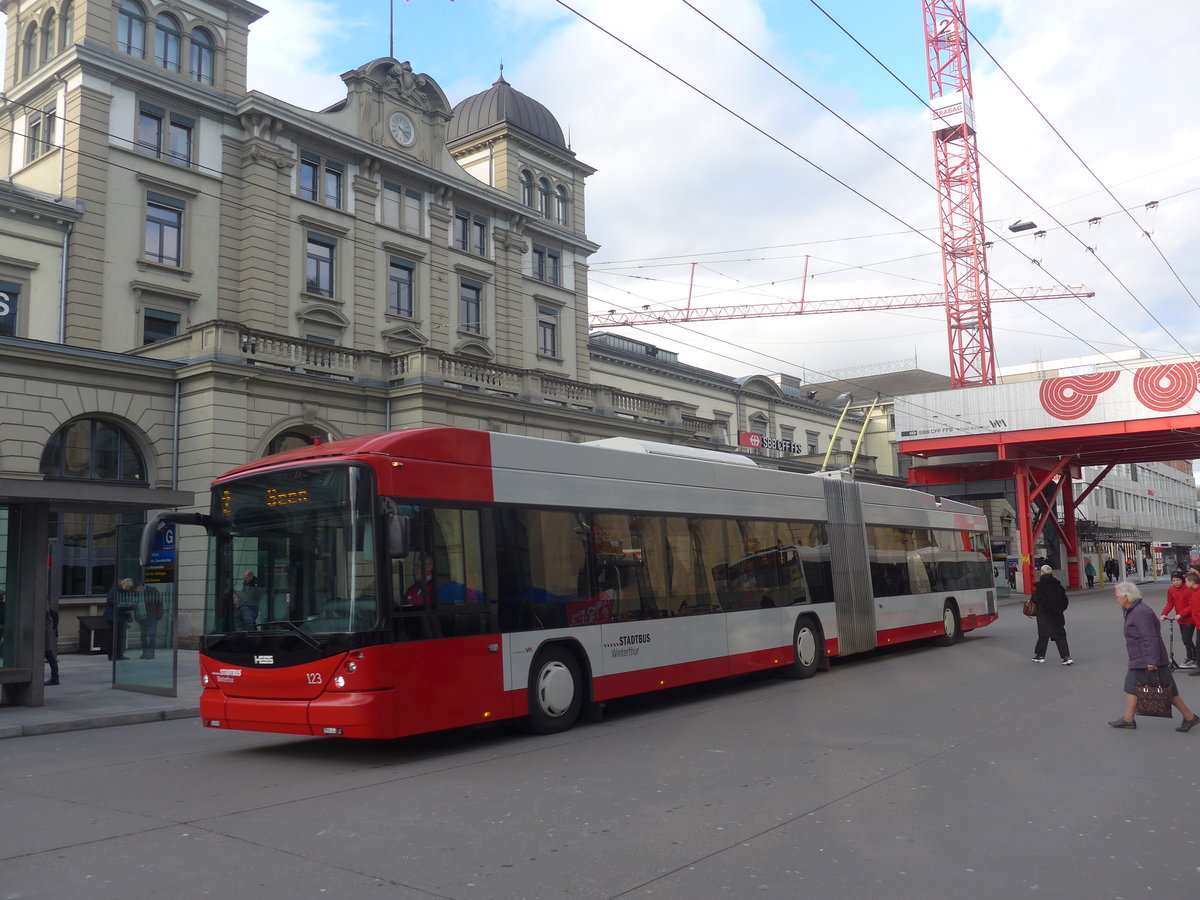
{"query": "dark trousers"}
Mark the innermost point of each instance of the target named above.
(51, 652)
(1187, 634)
(149, 631)
(1039, 649)
(118, 640)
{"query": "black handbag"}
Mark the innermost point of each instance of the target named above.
(1153, 697)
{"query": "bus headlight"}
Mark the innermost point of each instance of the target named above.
(352, 666)
(339, 682)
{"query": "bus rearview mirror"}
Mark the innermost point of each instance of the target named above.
(398, 529)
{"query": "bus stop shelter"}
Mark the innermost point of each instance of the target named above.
(26, 506)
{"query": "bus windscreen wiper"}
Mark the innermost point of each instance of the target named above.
(304, 635)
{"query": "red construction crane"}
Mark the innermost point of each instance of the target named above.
(965, 294)
(805, 307)
(956, 161)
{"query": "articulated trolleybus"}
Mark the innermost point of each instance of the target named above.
(420, 580)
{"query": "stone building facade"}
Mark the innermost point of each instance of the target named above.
(207, 274)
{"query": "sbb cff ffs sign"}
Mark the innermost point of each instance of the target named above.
(756, 441)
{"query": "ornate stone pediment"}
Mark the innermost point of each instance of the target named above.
(474, 348)
(398, 82)
(402, 337)
(323, 315)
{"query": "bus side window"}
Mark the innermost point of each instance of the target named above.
(458, 572)
(621, 563)
(708, 566)
(539, 557)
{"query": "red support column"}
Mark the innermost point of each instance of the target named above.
(1024, 525)
(1070, 530)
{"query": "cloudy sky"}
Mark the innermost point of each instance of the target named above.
(681, 180)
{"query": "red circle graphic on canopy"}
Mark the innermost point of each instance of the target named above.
(1074, 395)
(1166, 388)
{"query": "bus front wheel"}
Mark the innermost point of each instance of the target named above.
(555, 691)
(808, 646)
(951, 628)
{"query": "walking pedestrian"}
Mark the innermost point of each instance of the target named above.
(1179, 601)
(51, 647)
(1089, 572)
(1051, 599)
(1147, 653)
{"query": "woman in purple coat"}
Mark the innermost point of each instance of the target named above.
(1147, 653)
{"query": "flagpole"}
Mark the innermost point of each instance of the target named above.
(392, 28)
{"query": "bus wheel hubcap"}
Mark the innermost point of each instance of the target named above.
(556, 689)
(806, 646)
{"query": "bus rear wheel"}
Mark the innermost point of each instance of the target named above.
(555, 691)
(951, 629)
(808, 647)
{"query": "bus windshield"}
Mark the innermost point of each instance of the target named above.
(293, 550)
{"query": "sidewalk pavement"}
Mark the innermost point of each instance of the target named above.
(86, 699)
(1102, 587)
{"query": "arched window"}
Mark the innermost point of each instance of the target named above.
(49, 37)
(131, 29)
(563, 206)
(544, 197)
(167, 41)
(29, 50)
(204, 56)
(93, 449)
(290, 440)
(527, 187)
(89, 542)
(66, 30)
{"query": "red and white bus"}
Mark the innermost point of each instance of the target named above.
(420, 580)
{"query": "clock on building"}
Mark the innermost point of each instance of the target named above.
(402, 128)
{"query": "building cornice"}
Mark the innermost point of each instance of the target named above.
(16, 200)
(713, 381)
(473, 143)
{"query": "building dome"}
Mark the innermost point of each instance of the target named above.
(500, 104)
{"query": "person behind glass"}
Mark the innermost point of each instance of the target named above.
(1179, 600)
(1089, 572)
(51, 651)
(1147, 653)
(1051, 599)
(422, 592)
(147, 613)
(247, 598)
(116, 611)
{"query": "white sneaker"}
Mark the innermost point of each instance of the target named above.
(1068, 662)
(1040, 659)
(1188, 664)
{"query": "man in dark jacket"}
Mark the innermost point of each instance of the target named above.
(1051, 599)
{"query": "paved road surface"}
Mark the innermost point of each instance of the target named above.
(963, 772)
